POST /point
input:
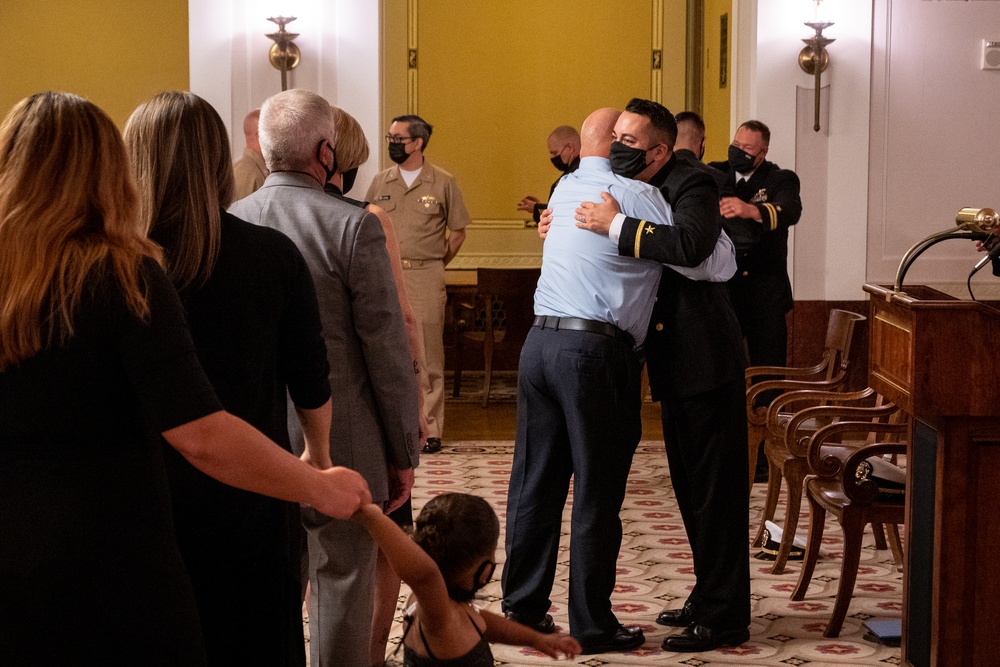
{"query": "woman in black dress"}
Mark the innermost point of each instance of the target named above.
(96, 362)
(255, 322)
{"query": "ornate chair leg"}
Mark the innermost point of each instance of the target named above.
(853, 525)
(771, 502)
(794, 475)
(817, 521)
(896, 545)
(879, 531)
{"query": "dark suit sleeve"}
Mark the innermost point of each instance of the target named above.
(694, 233)
(536, 212)
(783, 206)
(378, 322)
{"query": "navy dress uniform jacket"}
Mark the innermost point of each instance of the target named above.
(762, 247)
(694, 342)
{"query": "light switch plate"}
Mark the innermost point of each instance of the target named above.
(991, 54)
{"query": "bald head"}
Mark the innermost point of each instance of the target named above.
(564, 146)
(597, 132)
(564, 134)
(250, 124)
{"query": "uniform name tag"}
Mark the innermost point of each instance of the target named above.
(384, 197)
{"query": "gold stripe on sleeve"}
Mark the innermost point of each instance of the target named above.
(773, 215)
(638, 236)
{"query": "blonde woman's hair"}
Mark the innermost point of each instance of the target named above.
(352, 147)
(68, 216)
(179, 151)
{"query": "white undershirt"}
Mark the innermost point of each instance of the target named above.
(410, 176)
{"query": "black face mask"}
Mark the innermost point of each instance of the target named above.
(559, 164)
(397, 153)
(461, 595)
(330, 171)
(349, 177)
(740, 160)
(626, 161)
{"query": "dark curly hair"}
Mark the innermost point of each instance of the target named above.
(457, 530)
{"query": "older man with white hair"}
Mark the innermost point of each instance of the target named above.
(375, 419)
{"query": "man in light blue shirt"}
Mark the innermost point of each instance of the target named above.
(578, 400)
(575, 266)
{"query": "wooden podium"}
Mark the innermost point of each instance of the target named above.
(938, 358)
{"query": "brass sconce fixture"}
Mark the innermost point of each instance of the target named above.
(814, 58)
(283, 54)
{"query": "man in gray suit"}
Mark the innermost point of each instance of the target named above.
(375, 420)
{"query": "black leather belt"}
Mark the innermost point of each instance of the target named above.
(580, 324)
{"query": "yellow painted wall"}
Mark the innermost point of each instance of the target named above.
(114, 52)
(495, 78)
(715, 98)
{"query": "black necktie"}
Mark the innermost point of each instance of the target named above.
(743, 190)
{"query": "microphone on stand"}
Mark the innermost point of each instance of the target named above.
(992, 245)
(975, 224)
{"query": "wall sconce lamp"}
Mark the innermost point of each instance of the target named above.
(814, 58)
(283, 54)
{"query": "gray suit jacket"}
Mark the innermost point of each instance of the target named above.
(375, 409)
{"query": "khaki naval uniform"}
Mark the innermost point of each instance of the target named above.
(249, 173)
(421, 213)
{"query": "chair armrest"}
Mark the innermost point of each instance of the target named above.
(783, 407)
(799, 445)
(828, 399)
(866, 490)
(786, 371)
(829, 465)
(758, 416)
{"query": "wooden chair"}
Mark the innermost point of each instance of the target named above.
(837, 487)
(830, 373)
(514, 290)
(792, 419)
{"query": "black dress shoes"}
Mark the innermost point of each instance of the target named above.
(625, 638)
(697, 638)
(433, 446)
(546, 626)
(680, 618)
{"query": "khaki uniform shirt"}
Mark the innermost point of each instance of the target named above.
(249, 173)
(421, 212)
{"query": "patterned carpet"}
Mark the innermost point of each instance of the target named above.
(656, 572)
